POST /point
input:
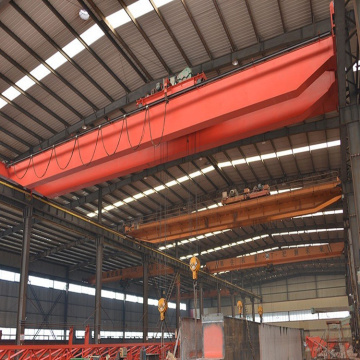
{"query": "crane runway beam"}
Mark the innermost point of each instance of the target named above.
(133, 273)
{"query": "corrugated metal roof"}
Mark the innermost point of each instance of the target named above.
(192, 194)
(266, 17)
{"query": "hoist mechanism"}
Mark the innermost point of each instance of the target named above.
(194, 267)
(239, 305)
(162, 307)
(260, 312)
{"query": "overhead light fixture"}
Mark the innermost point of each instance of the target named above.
(84, 15)
(84, 127)
(235, 62)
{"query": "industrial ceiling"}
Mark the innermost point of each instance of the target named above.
(61, 76)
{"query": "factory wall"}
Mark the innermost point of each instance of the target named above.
(117, 315)
(289, 303)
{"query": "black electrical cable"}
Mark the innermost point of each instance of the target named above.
(143, 131)
(163, 127)
(72, 153)
(118, 143)
(47, 166)
(93, 154)
(27, 168)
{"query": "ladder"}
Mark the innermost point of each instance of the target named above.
(334, 343)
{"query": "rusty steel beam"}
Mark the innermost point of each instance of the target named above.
(133, 273)
(250, 212)
(277, 257)
(206, 294)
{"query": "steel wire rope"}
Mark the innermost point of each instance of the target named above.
(163, 127)
(93, 154)
(27, 169)
(47, 166)
(118, 143)
(72, 153)
(143, 131)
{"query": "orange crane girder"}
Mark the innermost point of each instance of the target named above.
(255, 211)
(278, 92)
(132, 273)
(277, 257)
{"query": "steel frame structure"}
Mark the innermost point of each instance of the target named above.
(67, 352)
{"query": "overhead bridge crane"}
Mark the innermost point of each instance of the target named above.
(285, 89)
(277, 257)
(254, 211)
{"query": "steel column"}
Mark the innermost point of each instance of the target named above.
(219, 300)
(253, 309)
(201, 296)
(178, 296)
(99, 263)
(349, 116)
(145, 299)
(66, 303)
(232, 299)
(24, 272)
(243, 299)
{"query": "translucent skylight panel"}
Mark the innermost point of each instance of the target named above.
(333, 143)
(207, 169)
(2, 103)
(159, 188)
(224, 164)
(195, 174)
(140, 8)
(11, 93)
(252, 159)
(149, 192)
(92, 34)
(56, 60)
(318, 146)
(284, 153)
(119, 203)
(182, 179)
(268, 156)
(128, 200)
(238, 162)
(25, 83)
(139, 196)
(118, 18)
(109, 207)
(73, 48)
(171, 183)
(301, 149)
(40, 72)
